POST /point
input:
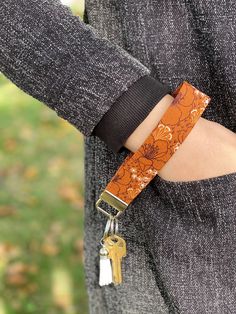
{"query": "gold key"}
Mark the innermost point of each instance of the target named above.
(116, 247)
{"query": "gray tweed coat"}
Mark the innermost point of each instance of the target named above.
(181, 236)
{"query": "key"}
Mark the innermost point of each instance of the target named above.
(116, 247)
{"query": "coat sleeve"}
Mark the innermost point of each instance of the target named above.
(63, 62)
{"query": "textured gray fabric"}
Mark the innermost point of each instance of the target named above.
(191, 234)
(181, 245)
(180, 235)
(58, 59)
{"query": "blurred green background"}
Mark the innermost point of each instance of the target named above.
(41, 207)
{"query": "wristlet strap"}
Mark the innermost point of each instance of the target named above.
(140, 167)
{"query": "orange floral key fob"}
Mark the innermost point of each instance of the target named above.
(140, 167)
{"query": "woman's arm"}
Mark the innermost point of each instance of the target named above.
(63, 62)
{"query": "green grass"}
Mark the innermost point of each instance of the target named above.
(41, 209)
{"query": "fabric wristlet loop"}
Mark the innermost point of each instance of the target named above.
(140, 167)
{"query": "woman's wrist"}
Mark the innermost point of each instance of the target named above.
(209, 149)
(137, 138)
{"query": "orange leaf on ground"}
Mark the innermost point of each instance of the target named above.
(7, 211)
(10, 144)
(31, 172)
(79, 248)
(17, 274)
(69, 192)
(49, 249)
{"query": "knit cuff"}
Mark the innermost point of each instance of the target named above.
(129, 110)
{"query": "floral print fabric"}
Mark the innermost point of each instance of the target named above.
(139, 168)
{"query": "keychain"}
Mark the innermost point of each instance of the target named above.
(140, 167)
(111, 253)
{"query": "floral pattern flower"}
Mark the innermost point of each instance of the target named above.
(162, 132)
(196, 113)
(150, 153)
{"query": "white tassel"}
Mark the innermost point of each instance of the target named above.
(105, 275)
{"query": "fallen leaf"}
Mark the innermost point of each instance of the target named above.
(49, 249)
(79, 248)
(19, 274)
(7, 211)
(16, 280)
(31, 172)
(69, 192)
(10, 144)
(9, 250)
(20, 267)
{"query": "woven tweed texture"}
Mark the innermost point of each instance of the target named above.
(181, 236)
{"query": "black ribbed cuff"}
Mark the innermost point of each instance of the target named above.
(129, 110)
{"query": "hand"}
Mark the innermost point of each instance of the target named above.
(208, 151)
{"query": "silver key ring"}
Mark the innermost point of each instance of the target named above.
(110, 228)
(107, 229)
(116, 225)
